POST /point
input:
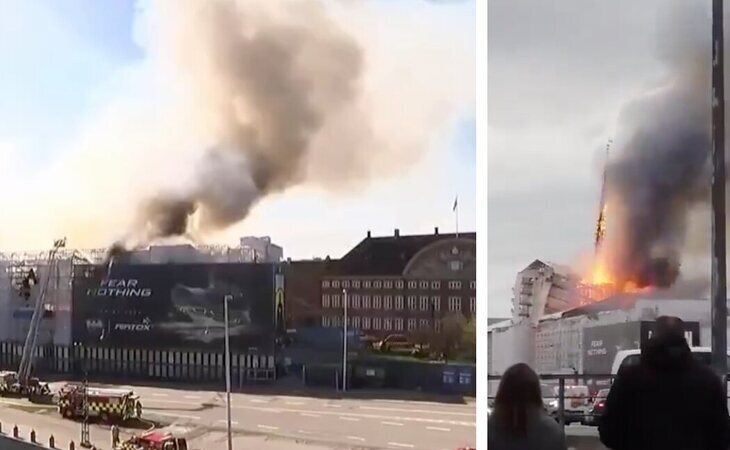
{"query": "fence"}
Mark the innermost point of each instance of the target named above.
(140, 364)
(568, 398)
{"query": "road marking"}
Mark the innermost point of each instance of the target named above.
(304, 432)
(309, 415)
(258, 400)
(41, 411)
(425, 411)
(356, 438)
(333, 406)
(193, 397)
(267, 427)
(233, 422)
(160, 395)
(155, 413)
(395, 424)
(398, 444)
(294, 403)
(352, 419)
(438, 429)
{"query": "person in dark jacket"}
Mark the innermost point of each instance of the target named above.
(668, 401)
(519, 420)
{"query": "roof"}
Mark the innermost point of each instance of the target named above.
(388, 255)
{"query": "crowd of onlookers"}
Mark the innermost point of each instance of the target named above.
(668, 401)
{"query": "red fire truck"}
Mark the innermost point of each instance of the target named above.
(155, 440)
(105, 404)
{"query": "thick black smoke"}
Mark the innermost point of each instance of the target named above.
(663, 169)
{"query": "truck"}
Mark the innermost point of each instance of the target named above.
(155, 440)
(33, 389)
(109, 405)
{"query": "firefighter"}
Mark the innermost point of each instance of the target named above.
(115, 436)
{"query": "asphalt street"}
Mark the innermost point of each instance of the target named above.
(285, 421)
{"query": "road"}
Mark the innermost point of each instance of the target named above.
(326, 423)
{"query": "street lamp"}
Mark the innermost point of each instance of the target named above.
(344, 341)
(226, 300)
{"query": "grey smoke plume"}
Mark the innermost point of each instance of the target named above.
(663, 169)
(269, 85)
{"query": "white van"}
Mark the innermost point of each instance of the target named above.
(633, 356)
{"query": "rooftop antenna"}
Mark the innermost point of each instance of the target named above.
(602, 206)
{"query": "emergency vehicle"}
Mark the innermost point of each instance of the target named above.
(106, 404)
(155, 440)
(10, 385)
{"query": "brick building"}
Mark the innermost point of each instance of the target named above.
(394, 284)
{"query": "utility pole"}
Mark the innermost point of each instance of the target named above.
(719, 263)
(226, 300)
(344, 341)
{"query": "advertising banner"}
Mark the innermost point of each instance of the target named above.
(174, 306)
(601, 343)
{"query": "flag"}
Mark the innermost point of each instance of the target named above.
(456, 203)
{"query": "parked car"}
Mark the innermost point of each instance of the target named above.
(576, 404)
(396, 343)
(597, 407)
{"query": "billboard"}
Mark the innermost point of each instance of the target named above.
(174, 306)
(601, 343)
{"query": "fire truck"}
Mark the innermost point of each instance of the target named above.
(155, 440)
(106, 404)
(33, 389)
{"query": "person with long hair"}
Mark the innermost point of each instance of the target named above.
(519, 420)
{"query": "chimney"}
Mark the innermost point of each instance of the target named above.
(397, 232)
(369, 235)
(436, 231)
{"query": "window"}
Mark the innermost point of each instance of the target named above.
(412, 302)
(436, 302)
(435, 285)
(356, 284)
(345, 284)
(454, 303)
(356, 322)
(366, 284)
(388, 284)
(335, 284)
(473, 304)
(454, 284)
(366, 323)
(325, 283)
(325, 321)
(399, 323)
(336, 301)
(424, 323)
(473, 285)
(335, 321)
(356, 301)
(423, 285)
(399, 284)
(398, 302)
(387, 323)
(365, 302)
(377, 304)
(388, 302)
(376, 323)
(325, 301)
(456, 266)
(437, 326)
(424, 303)
(377, 284)
(411, 324)
(412, 284)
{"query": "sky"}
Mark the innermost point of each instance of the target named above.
(560, 72)
(67, 68)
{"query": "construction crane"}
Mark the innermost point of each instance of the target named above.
(603, 205)
(26, 385)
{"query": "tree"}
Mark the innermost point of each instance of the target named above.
(448, 341)
(469, 340)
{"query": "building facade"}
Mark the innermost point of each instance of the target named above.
(394, 284)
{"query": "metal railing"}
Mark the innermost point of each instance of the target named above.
(555, 399)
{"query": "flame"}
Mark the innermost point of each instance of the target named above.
(601, 283)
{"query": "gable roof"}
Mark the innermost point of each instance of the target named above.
(388, 255)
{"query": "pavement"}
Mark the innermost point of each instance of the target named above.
(266, 421)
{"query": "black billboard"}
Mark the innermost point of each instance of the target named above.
(601, 343)
(691, 332)
(174, 306)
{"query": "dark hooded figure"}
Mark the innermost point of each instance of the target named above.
(668, 401)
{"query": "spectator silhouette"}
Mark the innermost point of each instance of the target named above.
(519, 420)
(667, 401)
